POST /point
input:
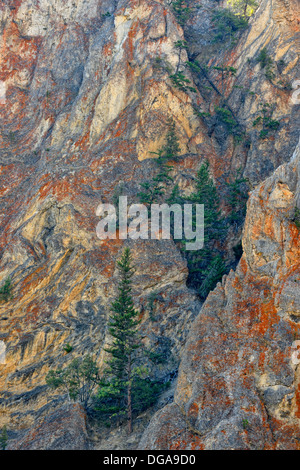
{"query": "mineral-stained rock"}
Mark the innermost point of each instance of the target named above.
(87, 97)
(83, 106)
(238, 387)
(65, 429)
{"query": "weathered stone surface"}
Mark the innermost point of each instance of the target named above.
(275, 27)
(74, 130)
(85, 105)
(238, 387)
(65, 429)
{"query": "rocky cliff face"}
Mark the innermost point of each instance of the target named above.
(88, 94)
(238, 386)
(66, 430)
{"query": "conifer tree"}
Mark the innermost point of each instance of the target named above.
(238, 189)
(123, 329)
(6, 290)
(3, 438)
(206, 266)
(182, 11)
(155, 189)
(245, 8)
(171, 149)
(126, 388)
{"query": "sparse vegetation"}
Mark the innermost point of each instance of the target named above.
(245, 423)
(125, 387)
(161, 64)
(11, 137)
(154, 189)
(3, 438)
(226, 71)
(171, 149)
(266, 63)
(207, 266)
(281, 65)
(79, 380)
(273, 69)
(151, 305)
(296, 218)
(181, 82)
(180, 46)
(182, 10)
(6, 291)
(263, 58)
(226, 25)
(224, 113)
(155, 357)
(265, 120)
(68, 348)
(238, 196)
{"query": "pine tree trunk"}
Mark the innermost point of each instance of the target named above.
(129, 404)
